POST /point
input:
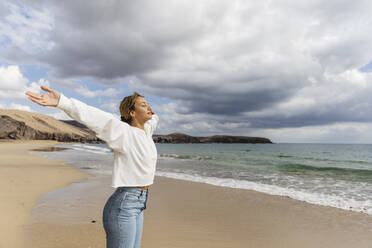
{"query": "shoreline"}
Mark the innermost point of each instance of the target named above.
(271, 189)
(180, 213)
(23, 178)
(190, 214)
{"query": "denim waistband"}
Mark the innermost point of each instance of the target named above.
(133, 189)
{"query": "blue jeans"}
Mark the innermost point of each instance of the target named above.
(123, 217)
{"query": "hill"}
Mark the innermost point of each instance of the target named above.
(24, 125)
(184, 138)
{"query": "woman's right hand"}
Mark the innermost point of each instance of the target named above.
(51, 99)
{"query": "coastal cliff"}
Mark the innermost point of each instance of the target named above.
(184, 138)
(24, 125)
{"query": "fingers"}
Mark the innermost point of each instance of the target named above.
(37, 101)
(46, 88)
(33, 95)
(37, 98)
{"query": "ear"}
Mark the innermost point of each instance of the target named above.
(131, 113)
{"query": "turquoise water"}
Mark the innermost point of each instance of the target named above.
(326, 174)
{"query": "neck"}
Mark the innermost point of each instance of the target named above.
(138, 124)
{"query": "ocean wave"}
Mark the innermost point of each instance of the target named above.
(347, 161)
(289, 167)
(184, 157)
(90, 148)
(364, 206)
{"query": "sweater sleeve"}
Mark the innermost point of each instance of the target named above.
(152, 124)
(106, 126)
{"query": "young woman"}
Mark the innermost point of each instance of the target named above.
(135, 158)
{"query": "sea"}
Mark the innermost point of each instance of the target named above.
(336, 175)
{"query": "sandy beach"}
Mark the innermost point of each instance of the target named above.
(23, 178)
(179, 213)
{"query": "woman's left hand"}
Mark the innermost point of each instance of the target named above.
(50, 99)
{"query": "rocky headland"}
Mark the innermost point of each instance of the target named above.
(184, 138)
(24, 125)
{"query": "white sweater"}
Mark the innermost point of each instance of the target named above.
(135, 152)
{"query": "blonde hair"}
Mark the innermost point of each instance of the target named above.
(126, 105)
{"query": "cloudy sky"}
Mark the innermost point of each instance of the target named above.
(291, 71)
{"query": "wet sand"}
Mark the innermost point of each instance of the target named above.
(23, 178)
(188, 214)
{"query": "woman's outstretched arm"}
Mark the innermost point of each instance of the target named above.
(106, 126)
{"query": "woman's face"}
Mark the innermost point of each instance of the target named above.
(143, 111)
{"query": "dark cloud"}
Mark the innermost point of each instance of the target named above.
(270, 64)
